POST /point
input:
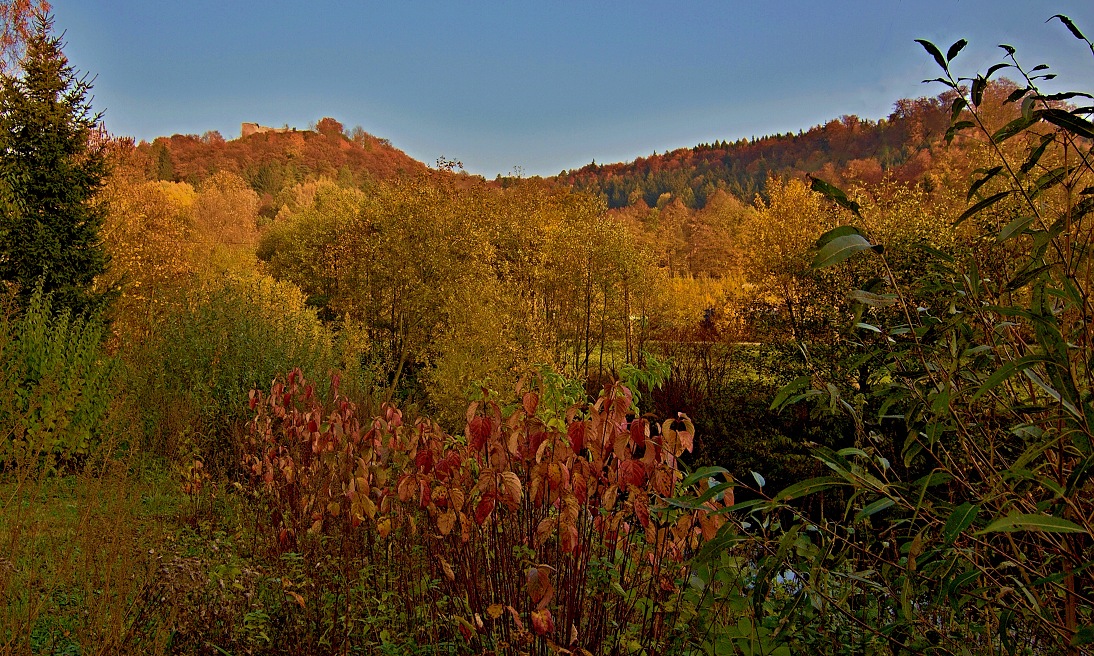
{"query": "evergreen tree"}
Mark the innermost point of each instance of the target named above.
(52, 164)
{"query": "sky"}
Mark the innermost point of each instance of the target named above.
(534, 88)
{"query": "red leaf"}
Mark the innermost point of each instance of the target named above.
(536, 436)
(568, 538)
(479, 432)
(581, 487)
(448, 465)
(483, 509)
(576, 433)
(640, 430)
(542, 622)
(631, 472)
(424, 461)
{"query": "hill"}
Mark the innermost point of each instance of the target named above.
(847, 147)
(274, 161)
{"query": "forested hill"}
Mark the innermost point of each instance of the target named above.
(841, 149)
(274, 162)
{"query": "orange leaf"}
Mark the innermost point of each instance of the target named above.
(544, 530)
(424, 497)
(531, 402)
(516, 618)
(511, 489)
(296, 597)
(608, 500)
(540, 588)
(641, 505)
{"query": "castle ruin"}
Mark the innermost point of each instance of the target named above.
(254, 128)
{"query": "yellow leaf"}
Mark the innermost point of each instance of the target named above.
(446, 521)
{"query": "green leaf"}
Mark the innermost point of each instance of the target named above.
(959, 104)
(838, 231)
(955, 48)
(1070, 122)
(1083, 636)
(960, 519)
(927, 248)
(933, 51)
(988, 175)
(875, 507)
(1070, 26)
(834, 194)
(873, 300)
(1006, 371)
(807, 487)
(1035, 154)
(868, 326)
(1017, 226)
(994, 68)
(759, 479)
(982, 205)
(1016, 126)
(703, 472)
(841, 248)
(1043, 523)
(790, 389)
(1048, 180)
(957, 127)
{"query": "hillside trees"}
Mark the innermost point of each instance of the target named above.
(460, 284)
(51, 168)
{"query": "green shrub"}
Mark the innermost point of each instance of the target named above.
(969, 522)
(212, 347)
(57, 385)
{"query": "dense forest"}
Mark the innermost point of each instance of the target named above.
(296, 392)
(848, 148)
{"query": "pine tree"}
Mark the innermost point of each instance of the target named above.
(51, 167)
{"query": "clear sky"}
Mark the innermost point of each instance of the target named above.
(542, 86)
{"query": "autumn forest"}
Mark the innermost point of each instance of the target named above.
(824, 392)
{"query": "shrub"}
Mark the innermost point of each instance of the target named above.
(969, 526)
(209, 350)
(57, 385)
(530, 532)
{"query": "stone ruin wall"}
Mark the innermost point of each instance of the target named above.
(254, 128)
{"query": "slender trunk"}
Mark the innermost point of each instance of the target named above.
(588, 311)
(627, 318)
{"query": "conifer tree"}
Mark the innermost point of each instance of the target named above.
(52, 164)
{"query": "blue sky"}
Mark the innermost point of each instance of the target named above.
(541, 86)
